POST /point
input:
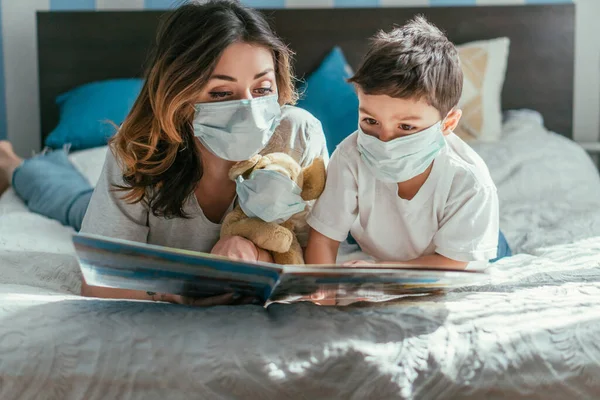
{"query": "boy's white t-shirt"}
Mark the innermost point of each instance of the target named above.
(455, 213)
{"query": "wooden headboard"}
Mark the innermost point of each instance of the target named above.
(80, 47)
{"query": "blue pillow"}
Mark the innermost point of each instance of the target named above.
(85, 113)
(331, 99)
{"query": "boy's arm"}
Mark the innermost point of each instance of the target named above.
(334, 211)
(433, 260)
(468, 233)
(321, 249)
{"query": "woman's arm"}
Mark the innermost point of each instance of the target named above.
(110, 293)
(108, 214)
(232, 247)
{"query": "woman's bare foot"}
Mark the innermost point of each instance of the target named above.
(9, 161)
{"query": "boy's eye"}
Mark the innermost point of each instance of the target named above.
(219, 95)
(406, 127)
(370, 121)
(263, 91)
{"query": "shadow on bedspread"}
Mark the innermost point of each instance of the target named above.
(535, 342)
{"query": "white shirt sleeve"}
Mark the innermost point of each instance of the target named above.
(470, 226)
(108, 214)
(314, 146)
(335, 211)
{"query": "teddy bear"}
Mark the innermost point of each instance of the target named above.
(277, 238)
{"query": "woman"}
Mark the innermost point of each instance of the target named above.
(218, 90)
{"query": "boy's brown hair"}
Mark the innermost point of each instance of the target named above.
(414, 61)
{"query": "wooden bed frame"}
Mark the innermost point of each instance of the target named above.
(80, 47)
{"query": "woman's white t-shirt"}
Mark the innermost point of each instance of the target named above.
(455, 213)
(299, 135)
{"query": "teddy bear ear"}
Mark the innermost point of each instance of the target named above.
(315, 176)
(244, 167)
(264, 161)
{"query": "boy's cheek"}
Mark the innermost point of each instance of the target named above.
(368, 129)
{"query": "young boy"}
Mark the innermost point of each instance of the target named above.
(407, 188)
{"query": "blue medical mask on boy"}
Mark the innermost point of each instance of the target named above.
(402, 158)
(237, 130)
(269, 196)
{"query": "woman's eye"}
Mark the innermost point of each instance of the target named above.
(263, 91)
(406, 127)
(220, 95)
(370, 121)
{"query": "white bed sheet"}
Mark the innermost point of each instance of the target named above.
(548, 186)
(530, 332)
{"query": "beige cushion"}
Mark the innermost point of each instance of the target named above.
(484, 68)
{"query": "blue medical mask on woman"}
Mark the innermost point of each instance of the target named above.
(402, 158)
(237, 130)
(269, 196)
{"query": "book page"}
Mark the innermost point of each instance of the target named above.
(372, 284)
(123, 264)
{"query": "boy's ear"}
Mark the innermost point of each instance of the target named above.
(450, 123)
(244, 167)
(314, 177)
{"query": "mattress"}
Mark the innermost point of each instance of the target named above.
(529, 331)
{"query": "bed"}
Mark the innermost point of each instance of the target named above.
(529, 331)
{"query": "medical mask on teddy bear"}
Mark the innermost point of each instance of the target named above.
(269, 196)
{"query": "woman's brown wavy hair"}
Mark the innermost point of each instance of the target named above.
(155, 146)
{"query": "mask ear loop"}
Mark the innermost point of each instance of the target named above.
(443, 120)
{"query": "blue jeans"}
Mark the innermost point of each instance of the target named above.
(503, 248)
(51, 186)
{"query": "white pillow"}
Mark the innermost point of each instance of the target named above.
(484, 69)
(89, 162)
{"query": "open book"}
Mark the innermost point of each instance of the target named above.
(124, 264)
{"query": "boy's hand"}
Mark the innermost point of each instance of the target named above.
(358, 263)
(324, 298)
(436, 261)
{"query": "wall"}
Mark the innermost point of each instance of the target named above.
(19, 103)
(586, 123)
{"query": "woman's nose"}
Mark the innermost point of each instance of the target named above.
(246, 95)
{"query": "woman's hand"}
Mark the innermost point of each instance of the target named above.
(189, 301)
(236, 248)
(111, 293)
(239, 248)
(221, 300)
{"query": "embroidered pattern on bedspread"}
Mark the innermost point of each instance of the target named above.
(530, 332)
